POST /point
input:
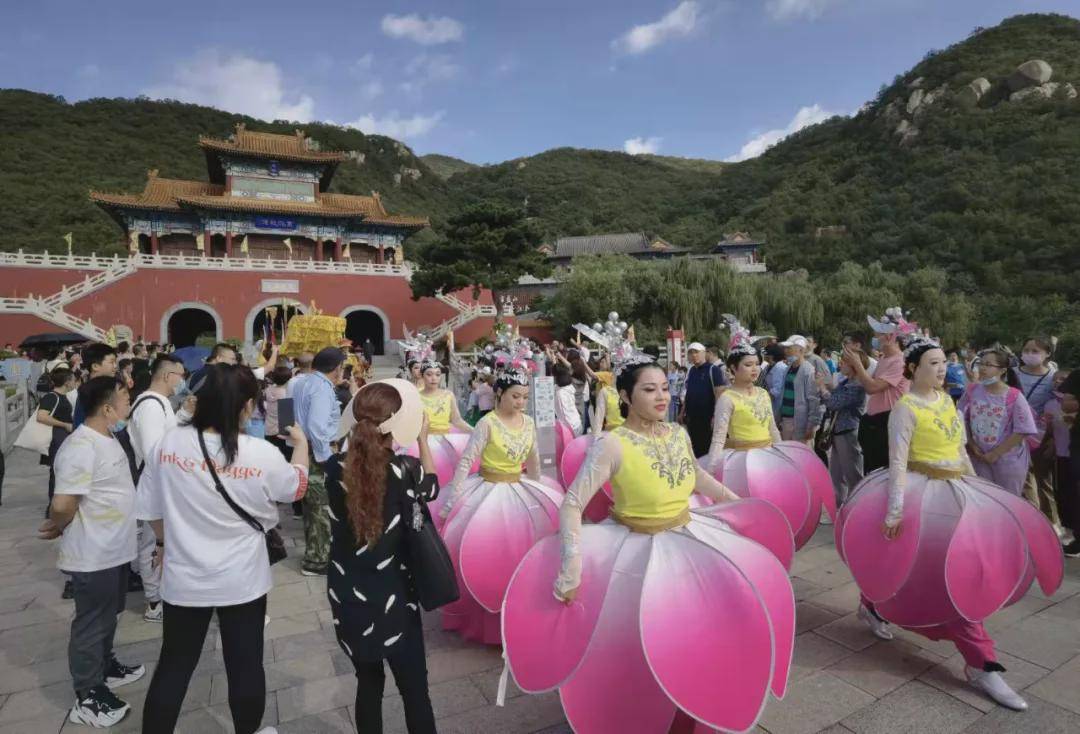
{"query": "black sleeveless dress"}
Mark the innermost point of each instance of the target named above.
(371, 593)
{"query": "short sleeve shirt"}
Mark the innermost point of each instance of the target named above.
(891, 370)
(102, 534)
(212, 556)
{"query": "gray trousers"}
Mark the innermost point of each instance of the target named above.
(99, 598)
(845, 464)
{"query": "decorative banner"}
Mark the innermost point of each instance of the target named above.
(346, 253)
(275, 223)
(133, 241)
(200, 245)
(244, 244)
(67, 239)
(288, 245)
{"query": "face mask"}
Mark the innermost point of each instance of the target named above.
(989, 381)
(1032, 359)
(181, 387)
(118, 426)
(875, 343)
(791, 360)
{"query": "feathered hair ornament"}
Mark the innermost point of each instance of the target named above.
(419, 347)
(893, 322)
(616, 338)
(740, 342)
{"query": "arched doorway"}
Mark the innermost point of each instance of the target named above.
(186, 326)
(277, 315)
(366, 323)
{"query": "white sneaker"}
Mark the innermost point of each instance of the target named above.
(879, 627)
(100, 708)
(825, 519)
(154, 612)
(994, 686)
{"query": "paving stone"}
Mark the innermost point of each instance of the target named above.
(288, 626)
(843, 599)
(1042, 717)
(813, 703)
(26, 677)
(849, 632)
(1040, 640)
(884, 666)
(1065, 612)
(520, 715)
(305, 643)
(804, 589)
(948, 677)
(1016, 613)
(813, 557)
(808, 617)
(943, 648)
(914, 707)
(447, 699)
(315, 697)
(281, 674)
(829, 575)
(339, 721)
(449, 664)
(814, 653)
(1061, 687)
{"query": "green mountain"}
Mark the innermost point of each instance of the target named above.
(933, 171)
(52, 153)
(445, 166)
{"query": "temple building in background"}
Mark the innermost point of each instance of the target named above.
(236, 256)
(266, 197)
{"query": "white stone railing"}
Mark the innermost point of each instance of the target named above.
(190, 262)
(91, 283)
(17, 409)
(53, 314)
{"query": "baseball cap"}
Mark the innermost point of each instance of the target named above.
(794, 341)
(695, 347)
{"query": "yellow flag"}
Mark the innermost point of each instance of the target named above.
(244, 244)
(68, 240)
(347, 253)
(199, 245)
(288, 245)
(133, 241)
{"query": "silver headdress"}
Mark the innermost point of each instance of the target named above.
(893, 322)
(918, 343)
(617, 339)
(741, 342)
(512, 356)
(419, 347)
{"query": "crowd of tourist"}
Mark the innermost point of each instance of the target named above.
(167, 480)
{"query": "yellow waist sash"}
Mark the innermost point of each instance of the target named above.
(738, 445)
(650, 525)
(437, 431)
(498, 476)
(934, 472)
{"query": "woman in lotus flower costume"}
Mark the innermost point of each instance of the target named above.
(447, 432)
(747, 454)
(492, 518)
(661, 616)
(934, 548)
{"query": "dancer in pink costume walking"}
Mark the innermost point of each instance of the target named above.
(747, 454)
(661, 618)
(493, 518)
(934, 548)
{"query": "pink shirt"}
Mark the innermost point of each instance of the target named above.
(891, 370)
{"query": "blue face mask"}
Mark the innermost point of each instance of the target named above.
(875, 343)
(791, 359)
(118, 426)
(989, 381)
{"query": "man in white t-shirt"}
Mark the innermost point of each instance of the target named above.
(151, 416)
(93, 514)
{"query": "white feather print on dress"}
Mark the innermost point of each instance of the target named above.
(385, 563)
(358, 595)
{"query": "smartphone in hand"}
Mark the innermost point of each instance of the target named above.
(286, 416)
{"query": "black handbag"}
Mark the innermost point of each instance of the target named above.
(425, 553)
(275, 544)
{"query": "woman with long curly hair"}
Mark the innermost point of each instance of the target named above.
(374, 605)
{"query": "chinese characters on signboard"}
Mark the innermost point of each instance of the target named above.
(275, 223)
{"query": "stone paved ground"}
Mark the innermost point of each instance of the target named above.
(843, 679)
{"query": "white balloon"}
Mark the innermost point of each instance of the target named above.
(623, 325)
(598, 326)
(613, 316)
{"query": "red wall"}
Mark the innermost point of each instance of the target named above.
(141, 299)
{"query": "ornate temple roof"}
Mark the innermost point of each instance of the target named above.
(297, 148)
(170, 194)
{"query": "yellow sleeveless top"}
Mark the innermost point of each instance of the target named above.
(655, 476)
(751, 417)
(938, 435)
(612, 416)
(506, 449)
(438, 411)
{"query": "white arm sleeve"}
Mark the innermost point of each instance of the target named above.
(901, 427)
(601, 462)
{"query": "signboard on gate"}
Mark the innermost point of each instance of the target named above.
(280, 286)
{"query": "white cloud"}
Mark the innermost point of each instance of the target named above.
(371, 89)
(425, 70)
(363, 64)
(88, 71)
(678, 23)
(792, 9)
(637, 146)
(395, 126)
(236, 83)
(428, 31)
(757, 145)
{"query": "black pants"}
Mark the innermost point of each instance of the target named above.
(99, 598)
(407, 663)
(700, 429)
(1067, 492)
(182, 640)
(874, 440)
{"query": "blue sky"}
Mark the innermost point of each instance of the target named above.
(489, 81)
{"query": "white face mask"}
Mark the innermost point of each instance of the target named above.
(1032, 359)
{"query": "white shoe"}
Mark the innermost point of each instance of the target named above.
(100, 708)
(879, 627)
(994, 686)
(825, 519)
(154, 612)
